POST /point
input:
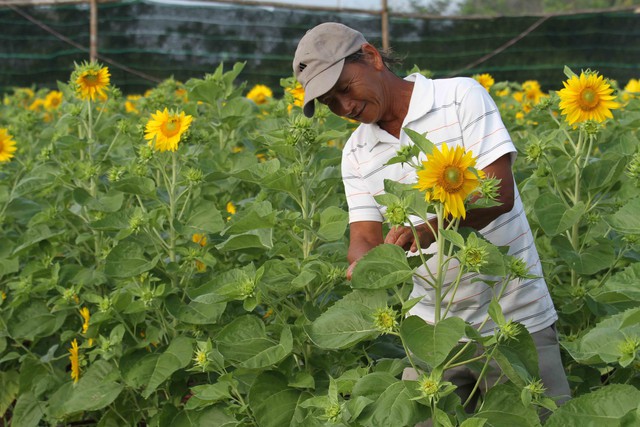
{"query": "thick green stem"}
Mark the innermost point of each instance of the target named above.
(440, 256)
(172, 207)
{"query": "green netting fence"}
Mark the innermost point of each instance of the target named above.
(184, 41)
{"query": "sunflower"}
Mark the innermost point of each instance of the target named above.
(200, 239)
(84, 312)
(532, 92)
(7, 145)
(75, 361)
(166, 128)
(130, 103)
(91, 80)
(446, 176)
(260, 94)
(588, 97)
(485, 80)
(53, 100)
(297, 93)
(632, 89)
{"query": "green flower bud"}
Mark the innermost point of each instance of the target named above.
(633, 168)
(396, 214)
(508, 331)
(104, 305)
(136, 221)
(518, 268)
(332, 412)
(629, 347)
(534, 150)
(490, 188)
(591, 127)
(194, 176)
(384, 320)
(247, 287)
(115, 174)
(201, 359)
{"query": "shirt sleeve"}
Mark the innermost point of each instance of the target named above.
(483, 131)
(362, 205)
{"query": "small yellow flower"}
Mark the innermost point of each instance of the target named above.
(84, 312)
(519, 115)
(587, 97)
(504, 92)
(446, 176)
(166, 128)
(200, 239)
(75, 361)
(201, 267)
(130, 103)
(7, 145)
(37, 104)
(91, 81)
(297, 92)
(632, 90)
(3, 295)
(485, 80)
(260, 94)
(53, 100)
(532, 92)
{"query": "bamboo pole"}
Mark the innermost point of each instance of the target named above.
(93, 30)
(384, 16)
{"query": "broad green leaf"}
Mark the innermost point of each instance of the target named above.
(244, 340)
(591, 259)
(114, 221)
(256, 172)
(432, 343)
(35, 320)
(213, 392)
(97, 388)
(261, 239)
(603, 343)
(9, 386)
(272, 401)
(603, 172)
(348, 321)
(8, 266)
(626, 219)
(272, 355)
(35, 235)
(28, 411)
(393, 408)
(195, 313)
(383, 267)
(176, 356)
(135, 185)
(333, 223)
(420, 140)
(504, 408)
(453, 236)
(613, 405)
(110, 202)
(127, 259)
(278, 276)
(258, 215)
(495, 312)
(207, 417)
(518, 358)
(138, 367)
(373, 384)
(621, 289)
(553, 215)
(283, 180)
(205, 218)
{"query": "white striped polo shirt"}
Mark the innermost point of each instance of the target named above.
(455, 111)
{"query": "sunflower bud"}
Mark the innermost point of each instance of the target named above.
(629, 347)
(332, 412)
(104, 305)
(474, 255)
(201, 359)
(590, 127)
(518, 268)
(194, 176)
(633, 168)
(508, 331)
(396, 214)
(534, 150)
(247, 287)
(384, 320)
(136, 221)
(115, 174)
(490, 188)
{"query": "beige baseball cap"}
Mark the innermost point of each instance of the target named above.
(319, 59)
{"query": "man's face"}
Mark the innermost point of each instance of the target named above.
(357, 94)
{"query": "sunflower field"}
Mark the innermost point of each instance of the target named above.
(178, 258)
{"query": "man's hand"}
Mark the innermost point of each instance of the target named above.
(403, 237)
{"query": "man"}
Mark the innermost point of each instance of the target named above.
(339, 68)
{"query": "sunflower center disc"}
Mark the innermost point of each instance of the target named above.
(452, 178)
(589, 98)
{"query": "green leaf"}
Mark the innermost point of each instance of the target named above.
(258, 215)
(113, 222)
(213, 392)
(568, 72)
(8, 266)
(110, 202)
(553, 215)
(35, 235)
(283, 180)
(244, 341)
(272, 401)
(602, 344)
(610, 406)
(272, 355)
(35, 320)
(177, 356)
(348, 321)
(333, 223)
(96, 389)
(504, 408)
(453, 236)
(195, 313)
(591, 259)
(432, 343)
(256, 172)
(9, 386)
(383, 267)
(602, 173)
(28, 411)
(621, 289)
(261, 239)
(420, 140)
(205, 218)
(127, 259)
(626, 220)
(495, 312)
(393, 408)
(135, 185)
(518, 358)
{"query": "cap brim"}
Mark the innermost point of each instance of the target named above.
(319, 85)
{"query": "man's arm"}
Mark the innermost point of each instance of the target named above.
(364, 236)
(476, 218)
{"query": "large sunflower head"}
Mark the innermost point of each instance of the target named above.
(587, 97)
(164, 129)
(448, 177)
(53, 100)
(7, 145)
(90, 80)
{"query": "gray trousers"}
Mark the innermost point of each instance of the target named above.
(551, 372)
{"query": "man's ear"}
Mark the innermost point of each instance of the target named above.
(373, 56)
